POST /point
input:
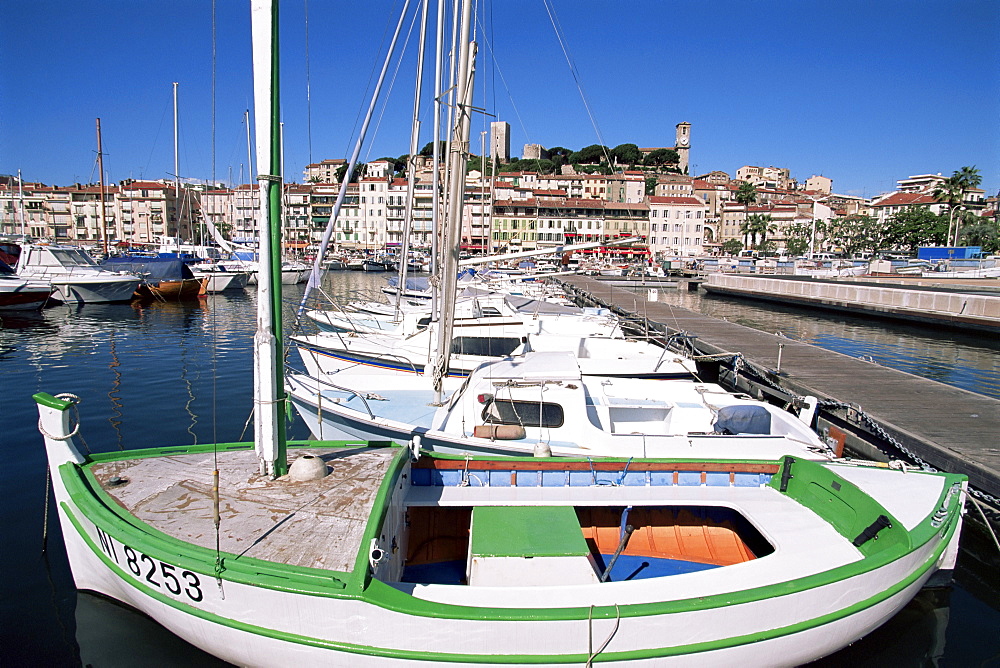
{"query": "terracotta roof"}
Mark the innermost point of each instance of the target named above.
(906, 199)
(146, 185)
(675, 200)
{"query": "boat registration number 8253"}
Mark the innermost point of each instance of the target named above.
(150, 571)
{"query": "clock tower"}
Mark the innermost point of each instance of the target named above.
(683, 145)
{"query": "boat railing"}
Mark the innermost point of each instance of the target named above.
(363, 396)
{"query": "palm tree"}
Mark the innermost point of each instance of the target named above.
(757, 225)
(968, 177)
(747, 194)
(952, 192)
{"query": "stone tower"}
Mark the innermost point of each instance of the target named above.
(500, 140)
(683, 145)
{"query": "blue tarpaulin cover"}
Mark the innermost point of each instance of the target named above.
(152, 269)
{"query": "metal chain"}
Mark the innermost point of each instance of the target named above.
(876, 428)
(880, 432)
(739, 363)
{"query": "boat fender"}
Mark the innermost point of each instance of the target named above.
(499, 432)
(307, 467)
(542, 450)
(871, 532)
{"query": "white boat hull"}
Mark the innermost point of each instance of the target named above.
(259, 626)
(220, 281)
(102, 290)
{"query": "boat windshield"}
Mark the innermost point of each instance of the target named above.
(72, 258)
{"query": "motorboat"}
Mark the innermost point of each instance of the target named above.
(21, 294)
(74, 275)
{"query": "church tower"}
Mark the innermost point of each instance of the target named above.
(683, 145)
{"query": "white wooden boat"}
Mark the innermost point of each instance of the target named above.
(468, 561)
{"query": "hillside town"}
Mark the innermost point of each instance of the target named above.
(650, 195)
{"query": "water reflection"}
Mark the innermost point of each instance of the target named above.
(914, 637)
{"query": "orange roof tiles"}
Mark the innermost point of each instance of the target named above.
(906, 199)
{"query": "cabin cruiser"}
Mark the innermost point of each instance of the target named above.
(74, 275)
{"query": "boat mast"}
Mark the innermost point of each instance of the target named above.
(20, 204)
(100, 169)
(458, 152)
(315, 276)
(269, 392)
(435, 268)
(411, 161)
(177, 180)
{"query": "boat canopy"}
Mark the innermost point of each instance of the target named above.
(152, 269)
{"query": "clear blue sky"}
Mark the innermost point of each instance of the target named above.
(862, 92)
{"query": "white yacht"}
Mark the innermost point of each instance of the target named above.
(74, 275)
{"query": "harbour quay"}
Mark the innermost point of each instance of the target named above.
(875, 411)
(968, 304)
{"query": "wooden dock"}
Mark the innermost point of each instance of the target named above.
(948, 428)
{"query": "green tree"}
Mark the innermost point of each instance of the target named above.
(853, 234)
(650, 185)
(428, 149)
(589, 155)
(915, 226)
(661, 156)
(559, 156)
(626, 154)
(768, 247)
(797, 237)
(732, 246)
(981, 232)
(952, 192)
(359, 171)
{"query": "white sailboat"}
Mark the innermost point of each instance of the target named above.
(366, 554)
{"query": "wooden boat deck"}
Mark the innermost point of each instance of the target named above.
(316, 523)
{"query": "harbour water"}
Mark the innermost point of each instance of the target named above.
(163, 374)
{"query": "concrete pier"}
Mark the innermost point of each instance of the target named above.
(948, 428)
(970, 307)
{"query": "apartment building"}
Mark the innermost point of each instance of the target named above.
(674, 185)
(324, 171)
(677, 225)
(887, 206)
(767, 177)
